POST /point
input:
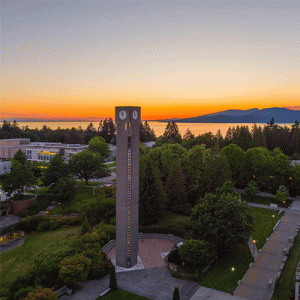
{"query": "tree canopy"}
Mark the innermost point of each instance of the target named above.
(152, 196)
(54, 171)
(98, 145)
(222, 221)
(87, 165)
(20, 176)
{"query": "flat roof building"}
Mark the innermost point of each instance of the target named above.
(37, 151)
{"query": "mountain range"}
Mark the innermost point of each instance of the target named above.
(254, 115)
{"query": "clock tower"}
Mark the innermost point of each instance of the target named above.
(127, 208)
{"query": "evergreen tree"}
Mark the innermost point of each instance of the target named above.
(56, 169)
(146, 133)
(21, 157)
(107, 130)
(176, 295)
(176, 192)
(90, 132)
(258, 137)
(113, 285)
(152, 196)
(172, 132)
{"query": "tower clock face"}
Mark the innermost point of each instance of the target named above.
(135, 114)
(122, 114)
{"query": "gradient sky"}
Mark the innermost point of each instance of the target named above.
(173, 58)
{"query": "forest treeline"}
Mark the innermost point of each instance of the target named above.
(105, 129)
(270, 136)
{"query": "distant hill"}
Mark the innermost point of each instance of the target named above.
(254, 115)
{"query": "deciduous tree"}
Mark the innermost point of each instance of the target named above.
(87, 165)
(98, 145)
(20, 176)
(222, 221)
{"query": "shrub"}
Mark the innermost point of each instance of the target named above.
(281, 194)
(85, 227)
(98, 267)
(195, 253)
(74, 269)
(65, 190)
(105, 192)
(20, 285)
(251, 190)
(70, 221)
(47, 224)
(174, 256)
(29, 224)
(104, 210)
(41, 293)
(47, 263)
(23, 292)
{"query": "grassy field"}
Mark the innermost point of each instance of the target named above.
(122, 295)
(264, 222)
(286, 280)
(17, 261)
(266, 201)
(220, 275)
(224, 273)
(113, 164)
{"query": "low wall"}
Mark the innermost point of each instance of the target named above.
(18, 206)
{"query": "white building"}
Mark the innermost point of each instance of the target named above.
(5, 166)
(37, 151)
(43, 151)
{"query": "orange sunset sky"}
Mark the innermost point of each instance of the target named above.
(80, 59)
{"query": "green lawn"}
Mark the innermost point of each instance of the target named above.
(264, 222)
(122, 295)
(266, 201)
(221, 276)
(19, 260)
(286, 280)
(111, 165)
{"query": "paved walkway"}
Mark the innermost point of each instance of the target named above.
(8, 220)
(255, 282)
(12, 245)
(155, 284)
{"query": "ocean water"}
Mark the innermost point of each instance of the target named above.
(158, 127)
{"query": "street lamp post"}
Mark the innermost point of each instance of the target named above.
(254, 241)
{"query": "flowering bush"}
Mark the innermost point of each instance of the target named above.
(41, 293)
